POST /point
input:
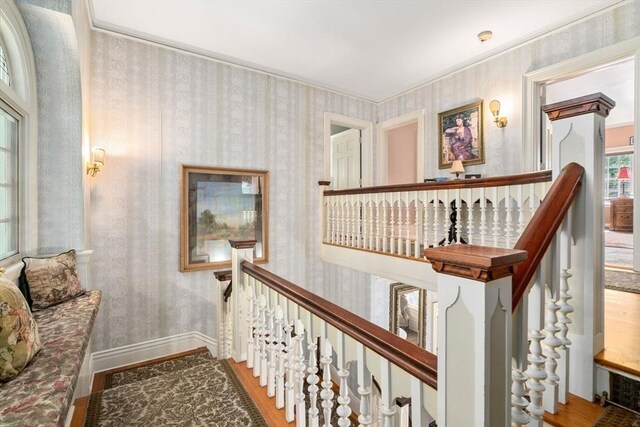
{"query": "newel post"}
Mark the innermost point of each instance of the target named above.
(474, 333)
(241, 250)
(578, 136)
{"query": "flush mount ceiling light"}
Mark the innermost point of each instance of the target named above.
(483, 36)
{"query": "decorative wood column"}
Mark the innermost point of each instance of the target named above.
(578, 136)
(240, 250)
(474, 333)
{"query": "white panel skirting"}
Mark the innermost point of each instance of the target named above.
(140, 352)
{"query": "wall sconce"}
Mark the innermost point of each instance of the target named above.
(494, 106)
(97, 161)
(457, 168)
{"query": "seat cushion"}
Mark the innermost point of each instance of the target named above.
(19, 338)
(51, 280)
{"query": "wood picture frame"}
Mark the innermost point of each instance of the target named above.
(460, 135)
(218, 205)
(407, 312)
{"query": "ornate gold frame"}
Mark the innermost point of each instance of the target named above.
(397, 289)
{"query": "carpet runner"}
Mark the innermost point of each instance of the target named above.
(193, 390)
(620, 280)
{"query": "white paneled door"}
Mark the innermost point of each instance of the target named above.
(345, 158)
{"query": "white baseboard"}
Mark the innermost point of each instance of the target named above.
(140, 352)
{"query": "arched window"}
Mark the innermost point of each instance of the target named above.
(18, 148)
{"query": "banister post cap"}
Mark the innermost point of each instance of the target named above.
(474, 262)
(597, 103)
(243, 244)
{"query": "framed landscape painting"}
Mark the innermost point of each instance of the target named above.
(218, 205)
(460, 136)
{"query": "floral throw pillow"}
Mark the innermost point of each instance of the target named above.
(19, 339)
(52, 280)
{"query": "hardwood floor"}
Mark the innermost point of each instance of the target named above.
(621, 332)
(576, 413)
(266, 405)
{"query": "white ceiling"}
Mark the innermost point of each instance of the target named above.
(371, 49)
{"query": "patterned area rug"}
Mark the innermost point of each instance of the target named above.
(626, 281)
(617, 417)
(175, 393)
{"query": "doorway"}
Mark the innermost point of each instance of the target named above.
(401, 149)
(348, 153)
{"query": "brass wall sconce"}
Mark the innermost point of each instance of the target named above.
(97, 161)
(500, 121)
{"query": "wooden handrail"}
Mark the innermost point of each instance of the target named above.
(495, 181)
(414, 360)
(544, 225)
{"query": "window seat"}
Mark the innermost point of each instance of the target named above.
(42, 394)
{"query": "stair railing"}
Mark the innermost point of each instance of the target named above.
(288, 335)
(403, 220)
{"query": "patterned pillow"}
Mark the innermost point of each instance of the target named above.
(19, 339)
(52, 280)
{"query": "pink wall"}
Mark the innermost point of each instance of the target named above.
(401, 154)
(618, 136)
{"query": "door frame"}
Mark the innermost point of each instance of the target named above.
(531, 110)
(366, 146)
(394, 123)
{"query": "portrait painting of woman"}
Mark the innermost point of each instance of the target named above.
(461, 135)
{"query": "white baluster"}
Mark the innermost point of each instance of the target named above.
(280, 357)
(392, 224)
(272, 343)
(312, 380)
(436, 212)
(483, 217)
(288, 366)
(371, 229)
(334, 220)
(327, 393)
(470, 208)
(417, 397)
(563, 322)
(265, 341)
(458, 227)
(300, 368)
(388, 409)
(364, 387)
(258, 335)
(496, 217)
(518, 401)
(407, 240)
(447, 217)
(508, 229)
(364, 243)
(551, 342)
(343, 410)
(251, 299)
(385, 225)
(425, 224)
(536, 373)
(420, 238)
(522, 220)
(379, 221)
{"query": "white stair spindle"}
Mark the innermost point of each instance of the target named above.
(327, 393)
(358, 214)
(536, 373)
(392, 224)
(419, 237)
(483, 217)
(565, 310)
(496, 217)
(258, 334)
(522, 220)
(519, 416)
(371, 229)
(385, 224)
(289, 370)
(312, 380)
(271, 346)
(251, 299)
(343, 410)
(436, 222)
(280, 357)
(470, 214)
(379, 223)
(447, 217)
(388, 409)
(425, 224)
(364, 387)
(551, 342)
(301, 412)
(264, 341)
(458, 226)
(418, 417)
(508, 229)
(407, 221)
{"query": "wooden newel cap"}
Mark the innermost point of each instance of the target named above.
(324, 183)
(475, 262)
(223, 276)
(597, 103)
(243, 244)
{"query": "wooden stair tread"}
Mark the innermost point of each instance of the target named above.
(577, 412)
(620, 361)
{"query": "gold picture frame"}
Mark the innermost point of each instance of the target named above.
(460, 135)
(218, 205)
(407, 316)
